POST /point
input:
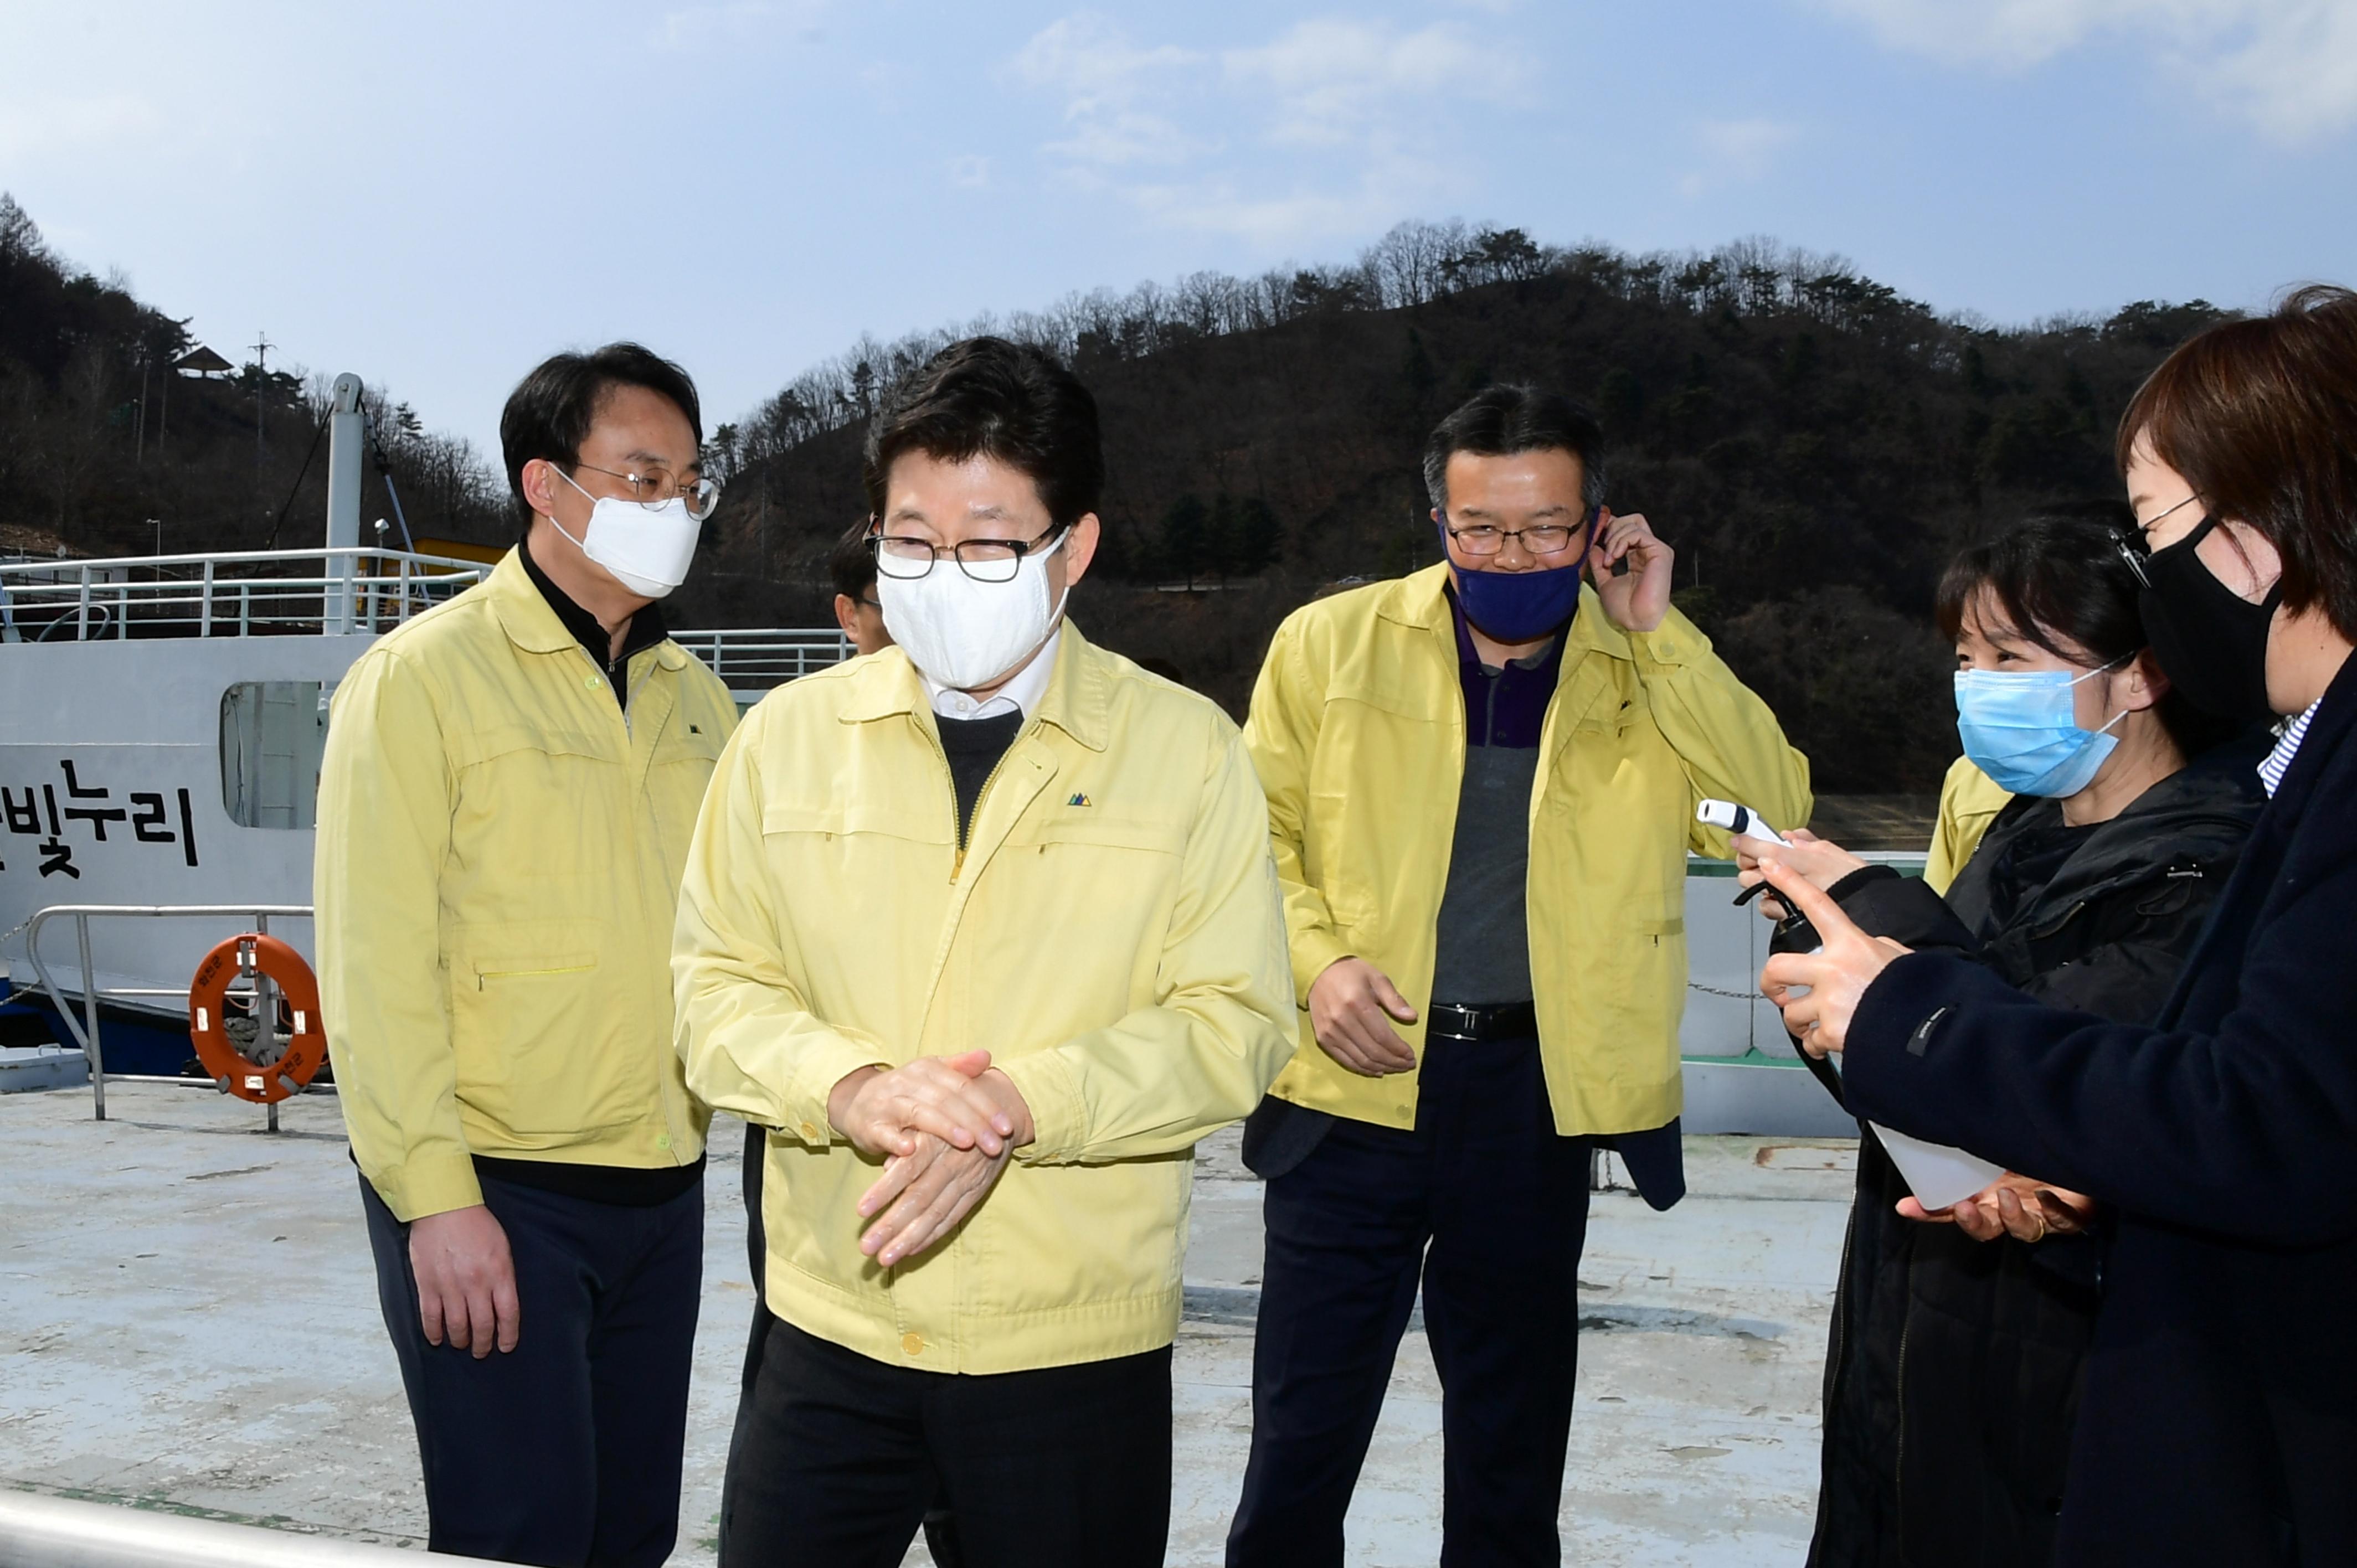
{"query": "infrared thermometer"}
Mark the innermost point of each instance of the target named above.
(1737, 819)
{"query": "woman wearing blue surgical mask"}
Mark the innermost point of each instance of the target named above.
(1958, 1336)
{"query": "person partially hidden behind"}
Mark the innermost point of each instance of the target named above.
(2088, 890)
(858, 610)
(1481, 783)
(505, 802)
(984, 928)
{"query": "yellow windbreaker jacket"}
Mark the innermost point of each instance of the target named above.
(1109, 933)
(498, 858)
(1969, 802)
(1358, 730)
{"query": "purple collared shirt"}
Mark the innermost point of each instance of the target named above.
(1504, 707)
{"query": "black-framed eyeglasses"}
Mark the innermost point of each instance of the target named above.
(1541, 539)
(984, 560)
(656, 486)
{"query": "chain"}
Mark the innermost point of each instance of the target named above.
(1730, 995)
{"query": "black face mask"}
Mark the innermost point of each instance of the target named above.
(2211, 641)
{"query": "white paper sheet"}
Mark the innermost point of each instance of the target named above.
(1936, 1174)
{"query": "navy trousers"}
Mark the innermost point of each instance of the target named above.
(564, 1452)
(1486, 1204)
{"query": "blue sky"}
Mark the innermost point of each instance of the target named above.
(436, 194)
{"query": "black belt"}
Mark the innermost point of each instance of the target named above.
(1506, 1021)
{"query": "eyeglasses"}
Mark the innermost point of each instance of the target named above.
(655, 487)
(2146, 525)
(1544, 539)
(983, 559)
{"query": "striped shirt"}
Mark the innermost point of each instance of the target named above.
(2271, 770)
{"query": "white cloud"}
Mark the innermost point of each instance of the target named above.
(691, 27)
(1744, 146)
(1330, 81)
(2289, 67)
(1112, 89)
(1352, 110)
(1736, 150)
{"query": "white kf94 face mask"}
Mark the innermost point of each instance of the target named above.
(647, 548)
(964, 633)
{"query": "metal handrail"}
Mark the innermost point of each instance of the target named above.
(777, 654)
(82, 566)
(38, 1531)
(86, 1032)
(345, 588)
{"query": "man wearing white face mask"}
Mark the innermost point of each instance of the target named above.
(505, 804)
(985, 928)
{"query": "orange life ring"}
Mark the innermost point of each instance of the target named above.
(233, 1071)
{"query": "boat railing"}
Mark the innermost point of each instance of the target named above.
(38, 1531)
(248, 592)
(86, 1031)
(750, 658)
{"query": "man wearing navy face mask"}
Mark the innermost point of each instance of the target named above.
(1481, 783)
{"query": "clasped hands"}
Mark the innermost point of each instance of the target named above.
(1818, 994)
(945, 1127)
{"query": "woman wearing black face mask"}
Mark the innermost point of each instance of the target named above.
(2218, 1420)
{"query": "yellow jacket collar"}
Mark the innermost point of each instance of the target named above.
(1420, 600)
(533, 624)
(1079, 700)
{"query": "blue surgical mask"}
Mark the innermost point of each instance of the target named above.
(2018, 728)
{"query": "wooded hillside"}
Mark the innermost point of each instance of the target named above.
(1815, 445)
(101, 437)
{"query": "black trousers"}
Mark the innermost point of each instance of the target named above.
(837, 1457)
(940, 1525)
(566, 1450)
(1486, 1205)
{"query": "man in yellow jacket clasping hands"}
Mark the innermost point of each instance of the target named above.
(1481, 783)
(983, 928)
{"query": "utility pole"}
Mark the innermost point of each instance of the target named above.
(261, 375)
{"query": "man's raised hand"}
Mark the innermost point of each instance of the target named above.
(1638, 600)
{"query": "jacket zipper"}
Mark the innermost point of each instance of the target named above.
(957, 824)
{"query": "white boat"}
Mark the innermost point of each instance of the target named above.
(161, 722)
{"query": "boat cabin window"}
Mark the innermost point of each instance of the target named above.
(272, 732)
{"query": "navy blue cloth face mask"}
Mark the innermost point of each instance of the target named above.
(1521, 607)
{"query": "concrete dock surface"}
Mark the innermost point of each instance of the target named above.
(191, 1324)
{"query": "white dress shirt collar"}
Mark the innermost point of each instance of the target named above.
(1020, 696)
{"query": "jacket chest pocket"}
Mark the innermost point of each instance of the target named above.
(1080, 885)
(1378, 784)
(535, 804)
(533, 1022)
